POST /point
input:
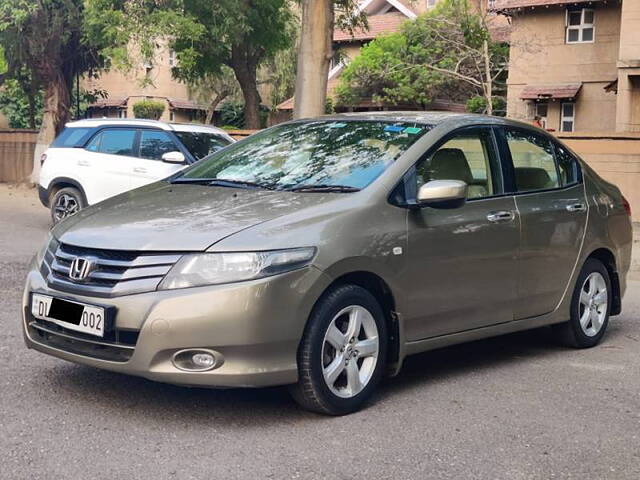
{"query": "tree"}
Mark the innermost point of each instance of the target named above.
(446, 52)
(50, 43)
(214, 89)
(241, 34)
(319, 17)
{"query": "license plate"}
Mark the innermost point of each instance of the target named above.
(72, 315)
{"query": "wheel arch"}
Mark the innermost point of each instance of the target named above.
(59, 183)
(608, 259)
(382, 292)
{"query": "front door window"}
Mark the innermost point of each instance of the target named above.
(468, 156)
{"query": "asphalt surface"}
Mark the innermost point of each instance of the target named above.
(515, 407)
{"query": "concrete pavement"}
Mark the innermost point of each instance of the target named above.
(514, 407)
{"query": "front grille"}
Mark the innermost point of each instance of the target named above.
(115, 346)
(115, 272)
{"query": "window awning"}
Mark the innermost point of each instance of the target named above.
(552, 92)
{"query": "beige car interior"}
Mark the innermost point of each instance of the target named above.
(453, 161)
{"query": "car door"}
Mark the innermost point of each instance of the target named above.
(107, 159)
(550, 198)
(148, 167)
(461, 274)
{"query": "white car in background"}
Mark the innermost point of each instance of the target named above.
(92, 160)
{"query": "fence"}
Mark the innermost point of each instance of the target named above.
(16, 154)
(616, 157)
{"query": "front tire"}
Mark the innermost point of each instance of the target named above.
(343, 351)
(590, 307)
(66, 202)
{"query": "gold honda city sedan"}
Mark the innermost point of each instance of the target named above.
(320, 253)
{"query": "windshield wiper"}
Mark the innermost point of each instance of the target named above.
(222, 182)
(323, 188)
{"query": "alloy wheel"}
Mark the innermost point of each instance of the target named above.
(66, 205)
(350, 351)
(594, 301)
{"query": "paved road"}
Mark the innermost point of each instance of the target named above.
(516, 407)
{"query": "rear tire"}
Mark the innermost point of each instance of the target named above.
(342, 355)
(66, 202)
(590, 307)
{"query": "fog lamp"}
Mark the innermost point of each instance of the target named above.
(197, 360)
(203, 360)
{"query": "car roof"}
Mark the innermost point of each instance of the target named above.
(427, 118)
(139, 122)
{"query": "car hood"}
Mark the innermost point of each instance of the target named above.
(178, 217)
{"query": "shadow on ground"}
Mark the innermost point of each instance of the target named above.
(140, 399)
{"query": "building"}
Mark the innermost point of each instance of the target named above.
(153, 82)
(575, 63)
(384, 17)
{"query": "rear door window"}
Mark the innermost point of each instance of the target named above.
(154, 144)
(533, 161)
(117, 141)
(568, 166)
(72, 137)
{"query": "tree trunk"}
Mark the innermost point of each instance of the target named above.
(244, 65)
(55, 114)
(314, 55)
(212, 107)
(488, 85)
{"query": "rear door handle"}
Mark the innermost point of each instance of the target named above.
(576, 207)
(139, 170)
(502, 216)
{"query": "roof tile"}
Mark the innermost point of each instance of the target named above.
(378, 25)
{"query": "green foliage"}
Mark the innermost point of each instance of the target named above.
(14, 103)
(328, 106)
(150, 109)
(40, 35)
(279, 71)
(479, 105)
(438, 55)
(232, 114)
(225, 32)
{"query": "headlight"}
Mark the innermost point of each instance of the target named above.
(216, 268)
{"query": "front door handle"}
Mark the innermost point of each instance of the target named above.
(83, 163)
(576, 207)
(502, 216)
(139, 170)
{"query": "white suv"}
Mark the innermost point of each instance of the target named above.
(92, 160)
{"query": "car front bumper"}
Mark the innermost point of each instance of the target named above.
(43, 195)
(253, 328)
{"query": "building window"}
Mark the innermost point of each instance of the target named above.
(172, 116)
(567, 117)
(581, 25)
(542, 112)
(172, 58)
(431, 3)
(122, 113)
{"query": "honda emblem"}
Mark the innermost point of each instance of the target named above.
(80, 268)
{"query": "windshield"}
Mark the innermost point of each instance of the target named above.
(201, 144)
(349, 154)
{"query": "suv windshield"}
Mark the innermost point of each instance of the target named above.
(201, 144)
(346, 154)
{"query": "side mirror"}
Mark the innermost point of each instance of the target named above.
(173, 157)
(442, 194)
